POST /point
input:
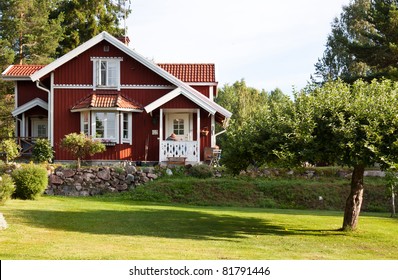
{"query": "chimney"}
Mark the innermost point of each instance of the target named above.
(124, 39)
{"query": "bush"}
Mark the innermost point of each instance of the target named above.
(201, 171)
(7, 188)
(10, 148)
(42, 151)
(30, 181)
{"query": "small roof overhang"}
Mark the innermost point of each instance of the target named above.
(199, 99)
(107, 102)
(29, 105)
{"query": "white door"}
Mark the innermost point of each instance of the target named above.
(40, 128)
(179, 125)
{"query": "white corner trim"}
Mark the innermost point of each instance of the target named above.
(29, 105)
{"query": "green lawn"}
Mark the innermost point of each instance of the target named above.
(117, 228)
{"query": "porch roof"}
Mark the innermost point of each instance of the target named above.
(107, 100)
(199, 99)
(29, 105)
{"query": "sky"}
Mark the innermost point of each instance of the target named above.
(268, 43)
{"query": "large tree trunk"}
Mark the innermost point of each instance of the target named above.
(354, 200)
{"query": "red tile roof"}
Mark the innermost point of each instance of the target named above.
(22, 70)
(191, 72)
(107, 100)
(186, 72)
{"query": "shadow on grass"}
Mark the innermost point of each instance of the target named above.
(156, 223)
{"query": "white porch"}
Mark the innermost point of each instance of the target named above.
(180, 149)
(180, 122)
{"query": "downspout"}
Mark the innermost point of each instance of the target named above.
(49, 109)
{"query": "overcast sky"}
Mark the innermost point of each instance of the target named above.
(269, 43)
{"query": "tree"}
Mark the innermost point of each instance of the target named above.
(81, 146)
(259, 123)
(363, 43)
(26, 29)
(337, 123)
(85, 19)
(354, 125)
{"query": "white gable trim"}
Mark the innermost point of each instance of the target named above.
(187, 90)
(33, 103)
(67, 57)
(173, 94)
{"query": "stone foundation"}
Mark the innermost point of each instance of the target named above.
(97, 181)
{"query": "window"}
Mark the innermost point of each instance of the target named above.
(106, 72)
(104, 125)
(126, 128)
(42, 130)
(85, 125)
(178, 126)
(107, 126)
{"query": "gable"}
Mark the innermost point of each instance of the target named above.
(147, 66)
(79, 70)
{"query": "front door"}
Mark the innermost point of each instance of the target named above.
(39, 128)
(179, 125)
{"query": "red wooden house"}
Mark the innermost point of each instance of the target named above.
(110, 92)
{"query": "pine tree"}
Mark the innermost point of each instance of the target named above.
(363, 43)
(26, 29)
(85, 19)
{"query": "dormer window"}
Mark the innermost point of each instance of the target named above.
(106, 73)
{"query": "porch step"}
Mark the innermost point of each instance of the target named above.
(176, 160)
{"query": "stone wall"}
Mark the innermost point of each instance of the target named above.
(96, 181)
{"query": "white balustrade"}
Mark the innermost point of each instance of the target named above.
(187, 149)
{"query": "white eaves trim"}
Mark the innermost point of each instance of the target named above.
(29, 105)
(187, 90)
(111, 109)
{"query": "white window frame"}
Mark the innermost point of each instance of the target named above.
(83, 123)
(94, 126)
(129, 121)
(112, 81)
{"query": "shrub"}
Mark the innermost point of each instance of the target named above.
(10, 148)
(201, 171)
(7, 188)
(80, 146)
(42, 151)
(30, 181)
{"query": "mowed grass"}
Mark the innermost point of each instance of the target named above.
(118, 228)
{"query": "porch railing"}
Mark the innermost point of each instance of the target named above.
(27, 144)
(187, 149)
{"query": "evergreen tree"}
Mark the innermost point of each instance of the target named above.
(363, 43)
(26, 29)
(83, 19)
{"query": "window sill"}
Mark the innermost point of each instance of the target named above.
(106, 87)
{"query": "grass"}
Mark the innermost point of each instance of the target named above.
(281, 193)
(118, 228)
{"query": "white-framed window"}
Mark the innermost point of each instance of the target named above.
(104, 126)
(85, 122)
(108, 126)
(106, 72)
(126, 127)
